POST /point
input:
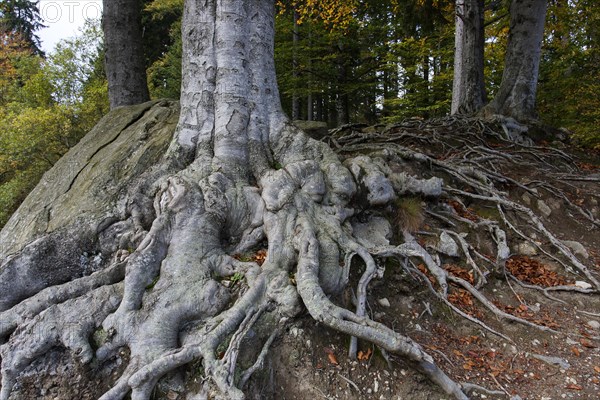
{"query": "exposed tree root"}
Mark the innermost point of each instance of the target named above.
(318, 218)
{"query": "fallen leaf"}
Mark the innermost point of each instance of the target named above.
(522, 308)
(575, 351)
(587, 343)
(260, 257)
(573, 386)
(597, 369)
(332, 359)
(364, 355)
(458, 353)
(468, 365)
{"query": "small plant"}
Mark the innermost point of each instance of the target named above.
(247, 257)
(237, 277)
(409, 213)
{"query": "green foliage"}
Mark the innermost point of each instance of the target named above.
(237, 277)
(162, 46)
(164, 75)
(569, 83)
(46, 106)
(388, 60)
(22, 17)
(496, 33)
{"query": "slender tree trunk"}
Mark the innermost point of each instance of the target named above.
(517, 93)
(124, 59)
(295, 97)
(309, 100)
(341, 99)
(468, 87)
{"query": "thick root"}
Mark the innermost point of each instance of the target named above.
(167, 301)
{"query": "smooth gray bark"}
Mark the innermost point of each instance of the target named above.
(236, 175)
(468, 87)
(516, 96)
(124, 57)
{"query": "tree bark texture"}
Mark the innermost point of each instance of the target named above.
(142, 259)
(124, 57)
(237, 174)
(468, 87)
(516, 96)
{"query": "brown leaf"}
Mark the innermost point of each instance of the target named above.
(597, 369)
(522, 308)
(458, 353)
(260, 256)
(332, 359)
(468, 365)
(575, 351)
(364, 355)
(587, 343)
(573, 386)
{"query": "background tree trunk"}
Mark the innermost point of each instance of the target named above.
(517, 93)
(468, 87)
(124, 59)
(295, 97)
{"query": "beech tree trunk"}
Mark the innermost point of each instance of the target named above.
(468, 87)
(516, 96)
(237, 177)
(124, 57)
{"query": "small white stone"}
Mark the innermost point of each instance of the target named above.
(384, 302)
(526, 249)
(544, 209)
(583, 285)
(577, 248)
(594, 324)
(447, 245)
(571, 380)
